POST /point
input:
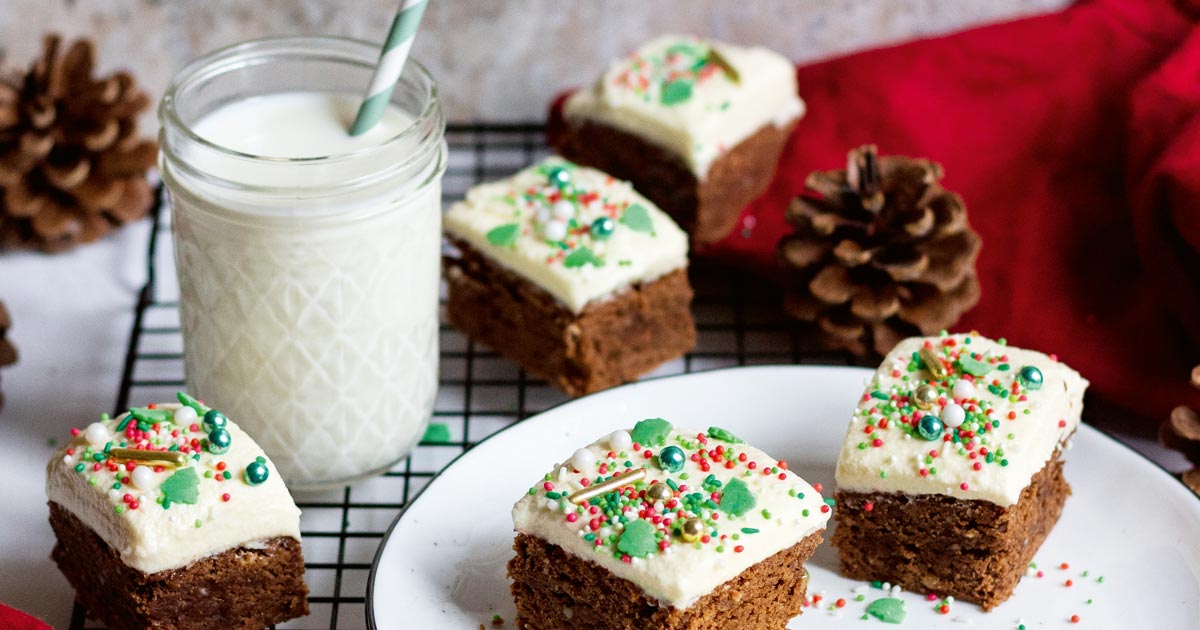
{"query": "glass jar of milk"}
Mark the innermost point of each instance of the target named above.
(308, 260)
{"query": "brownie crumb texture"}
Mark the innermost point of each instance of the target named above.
(612, 341)
(974, 550)
(555, 590)
(247, 588)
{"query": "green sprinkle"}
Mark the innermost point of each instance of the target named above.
(717, 433)
(651, 431)
(638, 539)
(582, 256)
(676, 91)
(437, 433)
(197, 524)
(737, 499)
(553, 495)
(118, 509)
(766, 513)
(749, 530)
(887, 610)
(79, 468)
(504, 235)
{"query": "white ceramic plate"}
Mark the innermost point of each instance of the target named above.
(442, 565)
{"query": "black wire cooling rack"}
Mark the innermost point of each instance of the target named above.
(738, 318)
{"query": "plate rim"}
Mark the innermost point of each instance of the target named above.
(369, 607)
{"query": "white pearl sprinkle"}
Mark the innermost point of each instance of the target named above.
(97, 434)
(963, 389)
(555, 230)
(953, 415)
(563, 209)
(185, 416)
(143, 478)
(619, 440)
(583, 460)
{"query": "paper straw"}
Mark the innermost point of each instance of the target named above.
(391, 64)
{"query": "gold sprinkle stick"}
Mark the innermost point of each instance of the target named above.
(604, 487)
(933, 363)
(134, 455)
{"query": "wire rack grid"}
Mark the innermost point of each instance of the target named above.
(739, 322)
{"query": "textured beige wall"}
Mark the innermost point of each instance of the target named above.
(495, 59)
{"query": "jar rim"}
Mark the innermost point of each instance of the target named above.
(233, 56)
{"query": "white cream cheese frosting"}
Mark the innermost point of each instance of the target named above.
(577, 232)
(745, 506)
(697, 99)
(160, 517)
(993, 419)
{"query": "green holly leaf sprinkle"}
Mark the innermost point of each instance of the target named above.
(638, 539)
(188, 401)
(737, 499)
(581, 257)
(717, 433)
(181, 487)
(504, 235)
(437, 433)
(676, 91)
(887, 610)
(637, 218)
(150, 416)
(651, 431)
(973, 366)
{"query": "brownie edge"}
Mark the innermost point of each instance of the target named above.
(611, 342)
(247, 588)
(555, 590)
(975, 550)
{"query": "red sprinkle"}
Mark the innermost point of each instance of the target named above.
(738, 549)
(1069, 583)
(1074, 618)
(840, 603)
(868, 506)
(944, 609)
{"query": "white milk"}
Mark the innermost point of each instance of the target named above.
(309, 304)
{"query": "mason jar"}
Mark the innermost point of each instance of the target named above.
(308, 271)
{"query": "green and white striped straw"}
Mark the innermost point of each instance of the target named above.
(391, 64)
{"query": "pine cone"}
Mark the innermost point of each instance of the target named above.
(8, 354)
(72, 166)
(880, 252)
(1181, 432)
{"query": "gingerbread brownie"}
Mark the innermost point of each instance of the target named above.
(697, 126)
(666, 528)
(571, 274)
(950, 476)
(171, 517)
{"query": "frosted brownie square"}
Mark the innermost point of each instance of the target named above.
(570, 273)
(950, 476)
(667, 528)
(171, 517)
(696, 125)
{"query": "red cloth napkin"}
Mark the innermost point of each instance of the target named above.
(1074, 138)
(13, 619)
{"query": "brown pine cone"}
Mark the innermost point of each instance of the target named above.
(72, 165)
(880, 252)
(8, 353)
(1181, 432)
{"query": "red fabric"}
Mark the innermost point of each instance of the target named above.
(1074, 138)
(13, 619)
